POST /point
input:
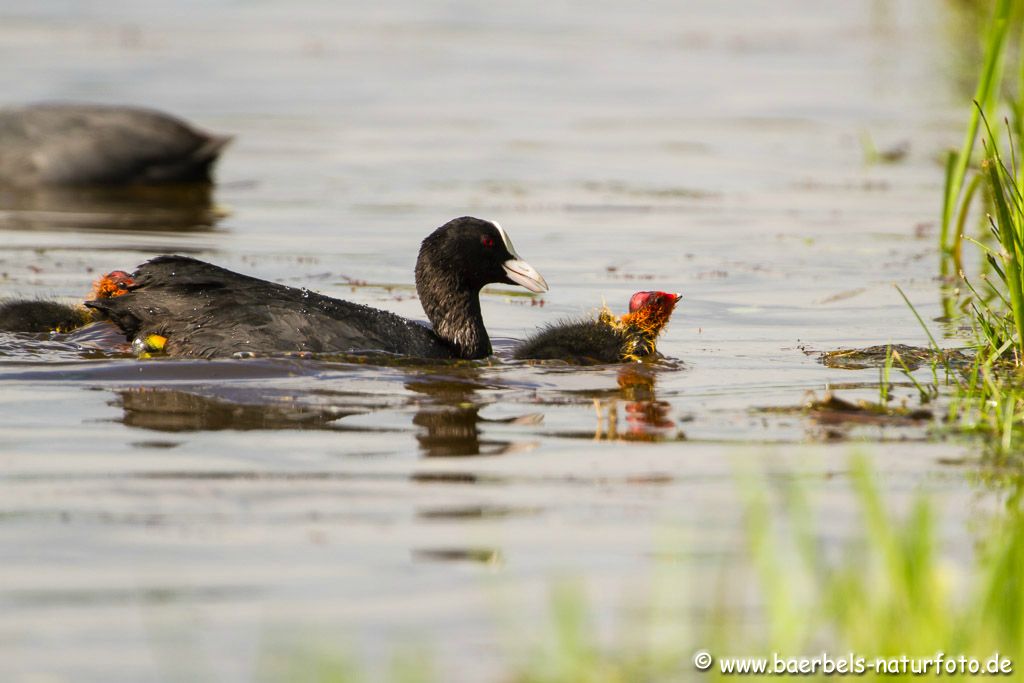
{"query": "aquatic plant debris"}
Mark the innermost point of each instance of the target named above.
(833, 409)
(874, 357)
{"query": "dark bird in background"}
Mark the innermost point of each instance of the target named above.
(608, 338)
(90, 145)
(187, 307)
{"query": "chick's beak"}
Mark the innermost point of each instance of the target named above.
(522, 273)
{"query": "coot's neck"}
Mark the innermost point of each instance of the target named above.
(638, 342)
(453, 308)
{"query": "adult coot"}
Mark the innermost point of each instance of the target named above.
(608, 339)
(191, 308)
(96, 145)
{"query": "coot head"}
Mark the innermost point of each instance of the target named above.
(455, 262)
(476, 252)
(114, 283)
(654, 300)
(648, 315)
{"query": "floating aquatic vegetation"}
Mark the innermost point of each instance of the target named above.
(875, 357)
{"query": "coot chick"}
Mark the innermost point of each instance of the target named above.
(608, 339)
(37, 316)
(80, 145)
(186, 307)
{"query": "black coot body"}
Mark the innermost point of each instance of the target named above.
(206, 311)
(40, 316)
(78, 145)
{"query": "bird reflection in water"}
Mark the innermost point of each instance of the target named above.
(647, 418)
(446, 416)
(179, 208)
(449, 418)
(171, 410)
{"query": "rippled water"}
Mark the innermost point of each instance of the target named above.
(167, 518)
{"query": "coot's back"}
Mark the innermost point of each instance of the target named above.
(98, 145)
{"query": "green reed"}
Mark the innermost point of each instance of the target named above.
(989, 397)
(986, 95)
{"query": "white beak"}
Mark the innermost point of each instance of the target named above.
(522, 273)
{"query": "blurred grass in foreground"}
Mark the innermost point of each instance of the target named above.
(885, 594)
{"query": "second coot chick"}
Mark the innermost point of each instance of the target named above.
(608, 339)
(77, 145)
(39, 316)
(198, 309)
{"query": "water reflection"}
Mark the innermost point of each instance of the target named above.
(646, 417)
(855, 415)
(449, 420)
(169, 410)
(486, 556)
(446, 414)
(183, 208)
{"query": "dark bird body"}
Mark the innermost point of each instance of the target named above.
(95, 145)
(580, 342)
(39, 317)
(606, 339)
(203, 310)
(206, 311)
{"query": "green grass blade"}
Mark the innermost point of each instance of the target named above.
(1010, 241)
(984, 97)
(931, 339)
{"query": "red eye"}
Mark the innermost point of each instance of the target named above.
(487, 241)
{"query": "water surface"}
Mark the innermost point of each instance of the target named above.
(168, 519)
